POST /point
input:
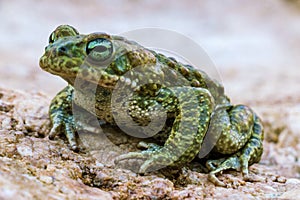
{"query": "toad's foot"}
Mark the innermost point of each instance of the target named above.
(64, 124)
(153, 159)
(222, 164)
(232, 162)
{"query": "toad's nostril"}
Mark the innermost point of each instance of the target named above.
(61, 51)
(48, 47)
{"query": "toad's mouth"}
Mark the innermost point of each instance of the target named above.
(78, 70)
(60, 66)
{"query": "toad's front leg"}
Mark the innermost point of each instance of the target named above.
(63, 120)
(61, 117)
(193, 113)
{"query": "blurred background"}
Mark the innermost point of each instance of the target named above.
(254, 44)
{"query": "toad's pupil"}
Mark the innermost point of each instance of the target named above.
(100, 48)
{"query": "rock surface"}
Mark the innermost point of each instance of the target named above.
(34, 167)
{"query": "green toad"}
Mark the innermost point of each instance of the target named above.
(197, 109)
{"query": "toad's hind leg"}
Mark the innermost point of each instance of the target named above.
(194, 109)
(241, 138)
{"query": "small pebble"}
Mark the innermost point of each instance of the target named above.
(281, 179)
(46, 179)
(25, 151)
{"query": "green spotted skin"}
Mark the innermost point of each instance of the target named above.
(199, 115)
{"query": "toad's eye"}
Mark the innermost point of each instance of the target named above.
(52, 38)
(62, 31)
(99, 50)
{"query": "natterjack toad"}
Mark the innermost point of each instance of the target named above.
(194, 108)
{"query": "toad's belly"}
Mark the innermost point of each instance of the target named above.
(97, 102)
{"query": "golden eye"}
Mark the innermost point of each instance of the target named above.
(99, 50)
